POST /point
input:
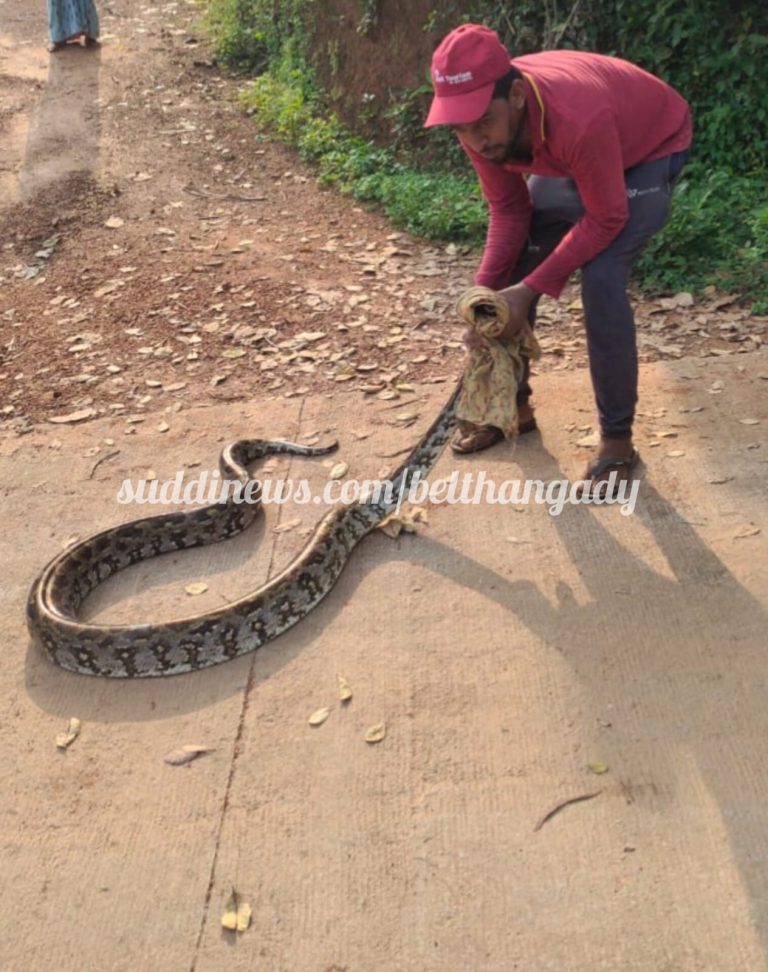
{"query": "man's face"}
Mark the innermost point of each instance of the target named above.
(502, 132)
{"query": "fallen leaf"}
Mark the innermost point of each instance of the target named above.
(675, 453)
(376, 733)
(198, 587)
(319, 716)
(79, 416)
(285, 527)
(65, 739)
(748, 530)
(589, 440)
(749, 421)
(345, 691)
(599, 768)
(338, 471)
(114, 222)
(178, 757)
(237, 913)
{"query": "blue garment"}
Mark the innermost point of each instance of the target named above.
(66, 18)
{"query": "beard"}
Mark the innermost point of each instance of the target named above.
(513, 149)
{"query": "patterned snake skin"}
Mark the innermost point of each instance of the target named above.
(188, 644)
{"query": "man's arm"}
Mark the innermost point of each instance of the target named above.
(509, 218)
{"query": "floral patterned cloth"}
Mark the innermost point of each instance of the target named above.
(491, 376)
(68, 18)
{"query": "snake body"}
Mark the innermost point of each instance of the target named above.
(189, 644)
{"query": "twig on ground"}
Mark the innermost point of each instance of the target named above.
(107, 455)
(562, 804)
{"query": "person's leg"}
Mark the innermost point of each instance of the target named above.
(609, 320)
(556, 207)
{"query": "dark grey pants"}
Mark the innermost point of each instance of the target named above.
(608, 317)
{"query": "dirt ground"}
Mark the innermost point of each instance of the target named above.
(170, 278)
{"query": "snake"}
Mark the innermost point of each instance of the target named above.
(192, 643)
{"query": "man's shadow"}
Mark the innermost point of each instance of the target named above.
(679, 657)
(65, 129)
(675, 656)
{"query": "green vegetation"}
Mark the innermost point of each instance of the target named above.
(435, 205)
(714, 51)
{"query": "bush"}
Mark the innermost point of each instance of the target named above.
(717, 234)
(440, 206)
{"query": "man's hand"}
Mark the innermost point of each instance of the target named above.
(519, 299)
(473, 340)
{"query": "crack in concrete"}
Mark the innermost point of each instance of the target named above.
(236, 749)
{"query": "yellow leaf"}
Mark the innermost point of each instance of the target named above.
(199, 587)
(319, 716)
(376, 733)
(599, 768)
(237, 913)
(65, 739)
(339, 470)
(345, 691)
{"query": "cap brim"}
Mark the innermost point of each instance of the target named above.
(459, 109)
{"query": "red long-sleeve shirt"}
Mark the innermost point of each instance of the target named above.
(598, 116)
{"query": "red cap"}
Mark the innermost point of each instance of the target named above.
(465, 67)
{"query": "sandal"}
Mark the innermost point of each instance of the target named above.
(475, 438)
(596, 472)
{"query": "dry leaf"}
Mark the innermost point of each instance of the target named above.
(79, 416)
(749, 421)
(338, 471)
(599, 768)
(345, 691)
(285, 527)
(675, 453)
(403, 521)
(178, 757)
(237, 913)
(376, 733)
(198, 587)
(114, 222)
(319, 716)
(65, 739)
(589, 440)
(748, 530)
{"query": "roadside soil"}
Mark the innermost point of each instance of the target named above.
(158, 249)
